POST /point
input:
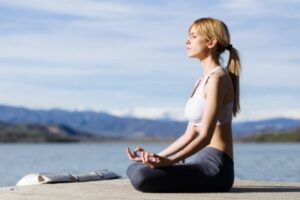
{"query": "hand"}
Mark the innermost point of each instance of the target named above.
(135, 154)
(154, 161)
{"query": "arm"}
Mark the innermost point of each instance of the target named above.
(180, 143)
(214, 98)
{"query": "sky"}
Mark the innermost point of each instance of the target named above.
(128, 58)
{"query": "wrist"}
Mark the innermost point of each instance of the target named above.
(174, 160)
(161, 154)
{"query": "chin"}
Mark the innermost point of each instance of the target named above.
(192, 56)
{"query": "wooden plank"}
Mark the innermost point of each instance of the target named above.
(122, 189)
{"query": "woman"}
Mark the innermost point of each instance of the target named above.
(214, 100)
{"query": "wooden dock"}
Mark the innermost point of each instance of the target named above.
(122, 189)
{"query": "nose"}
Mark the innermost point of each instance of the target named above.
(188, 41)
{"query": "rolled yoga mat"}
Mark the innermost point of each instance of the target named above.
(43, 178)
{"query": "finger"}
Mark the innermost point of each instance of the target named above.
(146, 157)
(137, 153)
(129, 154)
(151, 154)
(153, 158)
(140, 149)
(128, 151)
(142, 156)
(137, 150)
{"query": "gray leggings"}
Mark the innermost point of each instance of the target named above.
(211, 171)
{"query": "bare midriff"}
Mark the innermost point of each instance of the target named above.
(222, 139)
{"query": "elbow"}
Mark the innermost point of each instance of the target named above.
(205, 140)
(189, 136)
(206, 134)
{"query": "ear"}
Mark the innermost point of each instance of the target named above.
(212, 43)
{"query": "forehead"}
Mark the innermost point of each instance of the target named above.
(193, 31)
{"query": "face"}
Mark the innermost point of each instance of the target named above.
(196, 45)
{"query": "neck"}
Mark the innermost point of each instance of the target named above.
(208, 64)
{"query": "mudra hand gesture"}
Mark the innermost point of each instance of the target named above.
(149, 159)
(136, 154)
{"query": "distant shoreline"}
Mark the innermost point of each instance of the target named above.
(146, 141)
(58, 133)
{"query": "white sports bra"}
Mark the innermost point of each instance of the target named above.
(195, 106)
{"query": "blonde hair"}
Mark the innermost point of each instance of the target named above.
(211, 28)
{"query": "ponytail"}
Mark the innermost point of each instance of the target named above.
(234, 69)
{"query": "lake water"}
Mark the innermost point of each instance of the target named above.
(274, 162)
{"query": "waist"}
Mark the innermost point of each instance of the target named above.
(219, 155)
(221, 139)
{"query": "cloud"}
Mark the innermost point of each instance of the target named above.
(151, 112)
(262, 9)
(83, 8)
(98, 52)
(268, 113)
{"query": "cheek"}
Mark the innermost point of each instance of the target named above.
(198, 47)
(198, 50)
(198, 44)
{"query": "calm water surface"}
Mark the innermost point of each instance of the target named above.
(274, 162)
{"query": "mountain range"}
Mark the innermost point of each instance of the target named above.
(100, 124)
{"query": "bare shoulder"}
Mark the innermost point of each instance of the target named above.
(220, 74)
(216, 84)
(217, 79)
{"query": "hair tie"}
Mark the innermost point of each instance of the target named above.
(229, 47)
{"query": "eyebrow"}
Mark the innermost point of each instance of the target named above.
(192, 33)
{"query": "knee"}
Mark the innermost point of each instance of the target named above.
(139, 177)
(131, 169)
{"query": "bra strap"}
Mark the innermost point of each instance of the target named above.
(202, 82)
(195, 88)
(208, 75)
